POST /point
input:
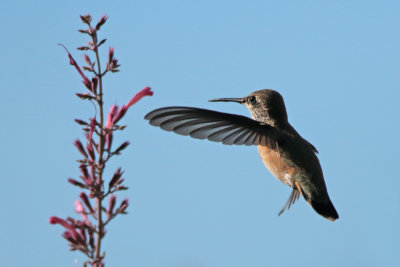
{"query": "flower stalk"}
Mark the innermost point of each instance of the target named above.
(86, 234)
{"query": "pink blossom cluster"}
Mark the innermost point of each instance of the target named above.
(85, 234)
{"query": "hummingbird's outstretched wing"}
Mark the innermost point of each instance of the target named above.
(214, 126)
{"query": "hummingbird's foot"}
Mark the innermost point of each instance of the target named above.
(292, 199)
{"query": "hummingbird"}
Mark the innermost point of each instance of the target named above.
(289, 157)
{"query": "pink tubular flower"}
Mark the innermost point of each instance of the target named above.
(78, 206)
(109, 138)
(85, 218)
(72, 61)
(56, 220)
(144, 92)
(81, 210)
(92, 126)
(110, 117)
(109, 125)
(65, 224)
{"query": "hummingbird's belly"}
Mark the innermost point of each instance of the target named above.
(276, 165)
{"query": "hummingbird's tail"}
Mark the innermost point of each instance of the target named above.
(326, 209)
(321, 203)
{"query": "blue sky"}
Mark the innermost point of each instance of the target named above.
(196, 203)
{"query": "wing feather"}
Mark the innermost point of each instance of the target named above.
(214, 126)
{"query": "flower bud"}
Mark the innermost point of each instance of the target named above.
(111, 205)
(122, 147)
(76, 183)
(102, 20)
(81, 122)
(80, 148)
(117, 175)
(78, 207)
(85, 200)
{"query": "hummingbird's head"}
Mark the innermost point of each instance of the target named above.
(264, 105)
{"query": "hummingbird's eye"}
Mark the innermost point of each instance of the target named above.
(252, 99)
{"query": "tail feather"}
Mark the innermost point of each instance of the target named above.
(325, 209)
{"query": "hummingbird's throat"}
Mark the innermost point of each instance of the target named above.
(261, 116)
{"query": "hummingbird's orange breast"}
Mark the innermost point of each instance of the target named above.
(275, 163)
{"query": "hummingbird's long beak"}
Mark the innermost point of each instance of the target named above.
(237, 100)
